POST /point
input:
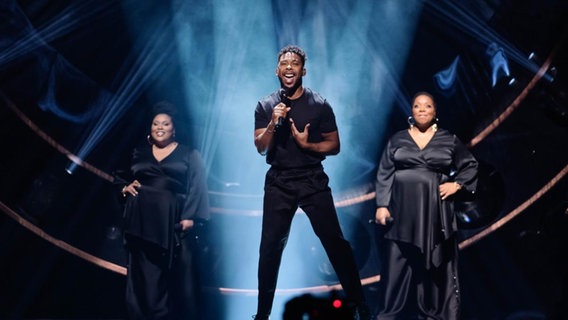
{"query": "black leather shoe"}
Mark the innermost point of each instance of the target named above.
(260, 317)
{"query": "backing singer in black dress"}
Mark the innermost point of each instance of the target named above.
(420, 171)
(166, 203)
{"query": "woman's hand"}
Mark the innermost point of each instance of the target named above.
(132, 188)
(186, 224)
(448, 188)
(382, 215)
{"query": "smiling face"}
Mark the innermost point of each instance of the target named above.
(162, 129)
(290, 71)
(423, 111)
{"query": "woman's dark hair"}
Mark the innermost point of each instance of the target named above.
(294, 49)
(424, 93)
(165, 107)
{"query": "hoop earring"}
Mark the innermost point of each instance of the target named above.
(411, 122)
(149, 139)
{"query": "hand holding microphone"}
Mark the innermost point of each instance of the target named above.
(382, 214)
(286, 101)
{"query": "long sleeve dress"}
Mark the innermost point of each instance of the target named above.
(173, 189)
(407, 183)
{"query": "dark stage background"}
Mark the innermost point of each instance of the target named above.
(77, 79)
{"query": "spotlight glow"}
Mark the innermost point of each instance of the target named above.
(348, 63)
(459, 17)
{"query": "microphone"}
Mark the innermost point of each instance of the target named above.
(283, 98)
(389, 221)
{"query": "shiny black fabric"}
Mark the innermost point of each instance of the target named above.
(411, 291)
(172, 189)
(420, 267)
(162, 273)
(407, 183)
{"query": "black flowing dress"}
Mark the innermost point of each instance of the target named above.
(408, 181)
(173, 189)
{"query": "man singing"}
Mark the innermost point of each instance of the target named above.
(295, 128)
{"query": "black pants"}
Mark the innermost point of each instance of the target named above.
(154, 290)
(284, 191)
(411, 291)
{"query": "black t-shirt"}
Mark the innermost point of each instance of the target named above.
(310, 108)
